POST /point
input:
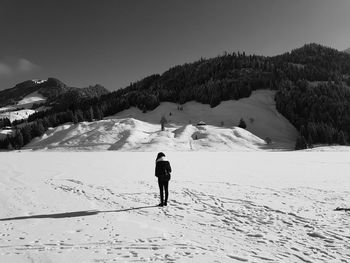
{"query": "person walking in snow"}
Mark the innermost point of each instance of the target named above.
(163, 171)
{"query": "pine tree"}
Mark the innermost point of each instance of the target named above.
(9, 146)
(98, 113)
(90, 114)
(71, 116)
(18, 140)
(163, 121)
(75, 118)
(37, 129)
(268, 140)
(53, 120)
(310, 142)
(7, 122)
(4, 143)
(80, 115)
(300, 143)
(26, 132)
(341, 140)
(46, 123)
(242, 124)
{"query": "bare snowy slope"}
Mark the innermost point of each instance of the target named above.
(223, 207)
(132, 130)
(30, 99)
(134, 135)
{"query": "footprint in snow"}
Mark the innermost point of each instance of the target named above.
(315, 234)
(255, 235)
(237, 258)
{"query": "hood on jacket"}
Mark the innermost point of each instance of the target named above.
(163, 158)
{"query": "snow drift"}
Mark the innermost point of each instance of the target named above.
(134, 135)
(132, 130)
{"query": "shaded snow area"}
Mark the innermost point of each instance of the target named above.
(132, 130)
(223, 207)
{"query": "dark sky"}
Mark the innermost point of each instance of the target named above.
(113, 43)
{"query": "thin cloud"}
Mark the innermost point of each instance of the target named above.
(5, 70)
(13, 66)
(25, 65)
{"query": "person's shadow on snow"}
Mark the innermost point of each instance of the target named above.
(75, 214)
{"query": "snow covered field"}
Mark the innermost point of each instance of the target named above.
(224, 207)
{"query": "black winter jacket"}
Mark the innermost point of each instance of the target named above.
(163, 169)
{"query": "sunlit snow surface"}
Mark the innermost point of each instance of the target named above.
(223, 207)
(133, 130)
(30, 99)
(17, 115)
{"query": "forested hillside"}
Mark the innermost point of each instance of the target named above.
(321, 112)
(312, 84)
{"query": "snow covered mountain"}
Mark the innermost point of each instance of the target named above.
(46, 88)
(30, 96)
(51, 89)
(347, 50)
(133, 130)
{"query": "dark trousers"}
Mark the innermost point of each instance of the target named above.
(163, 187)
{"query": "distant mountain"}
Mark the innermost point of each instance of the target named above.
(347, 50)
(54, 90)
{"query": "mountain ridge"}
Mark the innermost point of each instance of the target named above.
(310, 81)
(52, 89)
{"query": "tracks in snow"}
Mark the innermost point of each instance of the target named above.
(217, 221)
